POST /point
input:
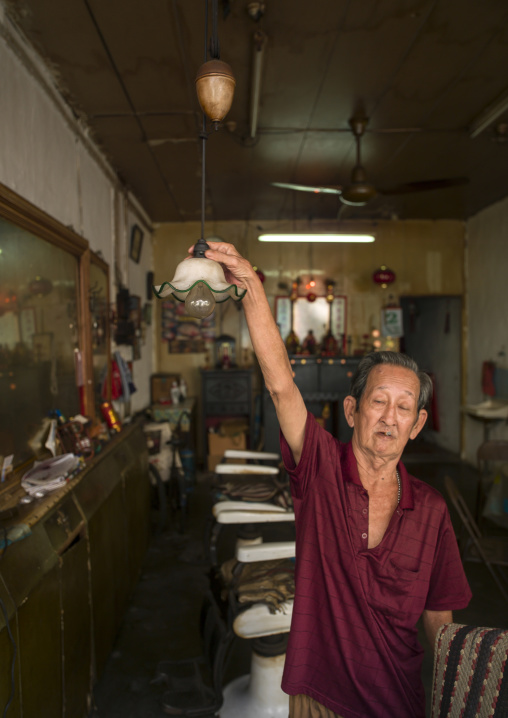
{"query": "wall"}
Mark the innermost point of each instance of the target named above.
(426, 256)
(433, 336)
(48, 158)
(487, 270)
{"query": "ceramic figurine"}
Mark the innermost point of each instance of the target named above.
(309, 343)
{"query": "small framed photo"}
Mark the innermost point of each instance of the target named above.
(136, 243)
(147, 314)
(391, 322)
(135, 311)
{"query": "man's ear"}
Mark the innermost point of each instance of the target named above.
(419, 424)
(349, 410)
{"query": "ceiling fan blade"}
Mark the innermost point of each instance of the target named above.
(337, 189)
(425, 185)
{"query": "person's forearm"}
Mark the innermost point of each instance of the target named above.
(266, 340)
(267, 343)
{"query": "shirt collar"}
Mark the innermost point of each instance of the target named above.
(350, 473)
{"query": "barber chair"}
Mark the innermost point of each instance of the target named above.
(194, 685)
(256, 496)
(258, 694)
(266, 458)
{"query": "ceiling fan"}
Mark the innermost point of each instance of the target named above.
(360, 191)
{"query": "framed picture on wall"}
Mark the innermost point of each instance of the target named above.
(135, 311)
(391, 322)
(136, 243)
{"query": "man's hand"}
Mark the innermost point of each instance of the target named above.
(237, 269)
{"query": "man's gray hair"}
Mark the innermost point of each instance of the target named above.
(369, 361)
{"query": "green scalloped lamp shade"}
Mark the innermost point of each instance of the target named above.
(200, 271)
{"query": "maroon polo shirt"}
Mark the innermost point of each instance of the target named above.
(353, 644)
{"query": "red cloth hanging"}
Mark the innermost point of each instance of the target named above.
(116, 381)
(488, 371)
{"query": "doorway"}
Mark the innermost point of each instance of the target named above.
(433, 337)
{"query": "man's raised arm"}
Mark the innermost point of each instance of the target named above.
(267, 343)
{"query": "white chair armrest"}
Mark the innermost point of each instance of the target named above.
(256, 455)
(257, 621)
(265, 551)
(246, 469)
(253, 517)
(221, 506)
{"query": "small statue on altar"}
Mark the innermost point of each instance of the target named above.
(329, 346)
(292, 343)
(309, 343)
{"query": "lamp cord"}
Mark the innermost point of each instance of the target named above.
(206, 31)
(201, 246)
(215, 51)
(204, 137)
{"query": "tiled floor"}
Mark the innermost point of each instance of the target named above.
(161, 622)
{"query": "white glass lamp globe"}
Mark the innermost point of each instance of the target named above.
(200, 283)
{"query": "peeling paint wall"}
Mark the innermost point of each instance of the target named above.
(48, 158)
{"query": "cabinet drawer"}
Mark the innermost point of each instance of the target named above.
(336, 377)
(223, 408)
(306, 376)
(230, 390)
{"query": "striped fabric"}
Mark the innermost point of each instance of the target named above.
(470, 672)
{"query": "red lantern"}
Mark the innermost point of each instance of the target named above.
(383, 276)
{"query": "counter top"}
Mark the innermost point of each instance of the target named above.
(11, 492)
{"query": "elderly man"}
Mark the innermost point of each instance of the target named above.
(375, 548)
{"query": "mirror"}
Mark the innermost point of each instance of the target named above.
(39, 333)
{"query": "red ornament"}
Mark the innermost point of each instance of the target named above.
(311, 297)
(383, 276)
(260, 274)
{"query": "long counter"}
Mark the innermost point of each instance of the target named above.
(66, 586)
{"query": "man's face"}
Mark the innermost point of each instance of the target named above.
(387, 416)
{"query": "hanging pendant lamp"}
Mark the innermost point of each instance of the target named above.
(198, 281)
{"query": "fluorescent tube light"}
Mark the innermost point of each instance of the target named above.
(316, 238)
(257, 69)
(489, 115)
